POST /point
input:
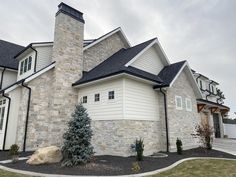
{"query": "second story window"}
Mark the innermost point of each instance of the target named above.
(111, 95)
(200, 82)
(97, 97)
(84, 99)
(25, 65)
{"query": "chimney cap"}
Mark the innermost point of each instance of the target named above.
(68, 10)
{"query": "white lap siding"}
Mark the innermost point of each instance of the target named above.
(104, 109)
(9, 78)
(44, 57)
(141, 101)
(15, 96)
(149, 62)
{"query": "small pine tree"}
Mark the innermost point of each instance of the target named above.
(77, 148)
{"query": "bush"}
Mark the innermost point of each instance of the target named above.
(139, 148)
(77, 148)
(179, 146)
(204, 131)
(14, 152)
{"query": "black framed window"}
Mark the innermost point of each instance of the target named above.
(111, 95)
(97, 97)
(84, 99)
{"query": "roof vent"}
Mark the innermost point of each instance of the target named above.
(64, 8)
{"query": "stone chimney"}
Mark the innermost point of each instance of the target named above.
(68, 55)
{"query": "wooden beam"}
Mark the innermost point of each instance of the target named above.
(213, 109)
(200, 107)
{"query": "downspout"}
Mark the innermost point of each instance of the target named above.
(4, 69)
(27, 115)
(166, 120)
(36, 56)
(8, 111)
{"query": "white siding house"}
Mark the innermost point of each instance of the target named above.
(104, 109)
(149, 61)
(44, 57)
(140, 101)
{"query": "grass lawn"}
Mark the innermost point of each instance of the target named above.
(202, 168)
(9, 174)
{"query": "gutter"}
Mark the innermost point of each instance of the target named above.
(166, 120)
(36, 56)
(27, 115)
(8, 110)
(4, 69)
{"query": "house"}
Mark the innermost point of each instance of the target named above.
(211, 106)
(129, 92)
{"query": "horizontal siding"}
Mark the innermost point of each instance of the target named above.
(44, 57)
(13, 117)
(141, 101)
(9, 77)
(149, 62)
(104, 109)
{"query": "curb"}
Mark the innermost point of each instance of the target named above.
(133, 175)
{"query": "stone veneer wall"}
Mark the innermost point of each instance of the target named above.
(182, 123)
(101, 51)
(40, 122)
(53, 98)
(114, 137)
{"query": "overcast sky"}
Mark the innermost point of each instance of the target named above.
(202, 32)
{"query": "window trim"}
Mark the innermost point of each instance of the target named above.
(181, 101)
(25, 65)
(186, 104)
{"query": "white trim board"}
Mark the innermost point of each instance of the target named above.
(162, 55)
(32, 77)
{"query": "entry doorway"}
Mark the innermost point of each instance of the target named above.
(216, 121)
(2, 121)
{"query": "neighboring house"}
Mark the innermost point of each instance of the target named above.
(229, 128)
(129, 91)
(211, 107)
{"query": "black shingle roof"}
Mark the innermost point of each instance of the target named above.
(168, 73)
(116, 64)
(7, 52)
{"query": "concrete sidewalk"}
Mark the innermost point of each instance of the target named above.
(226, 145)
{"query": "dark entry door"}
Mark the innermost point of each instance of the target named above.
(216, 121)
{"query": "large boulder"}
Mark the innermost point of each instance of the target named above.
(51, 154)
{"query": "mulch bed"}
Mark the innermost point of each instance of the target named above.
(114, 165)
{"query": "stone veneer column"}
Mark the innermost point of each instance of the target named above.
(68, 54)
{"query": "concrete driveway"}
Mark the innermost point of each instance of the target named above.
(226, 145)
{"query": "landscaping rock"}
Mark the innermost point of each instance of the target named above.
(47, 155)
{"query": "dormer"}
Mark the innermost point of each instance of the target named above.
(33, 58)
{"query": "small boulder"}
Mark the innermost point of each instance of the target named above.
(47, 155)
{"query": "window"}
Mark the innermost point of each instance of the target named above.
(2, 113)
(25, 65)
(84, 99)
(200, 84)
(111, 95)
(188, 103)
(178, 102)
(97, 97)
(213, 89)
